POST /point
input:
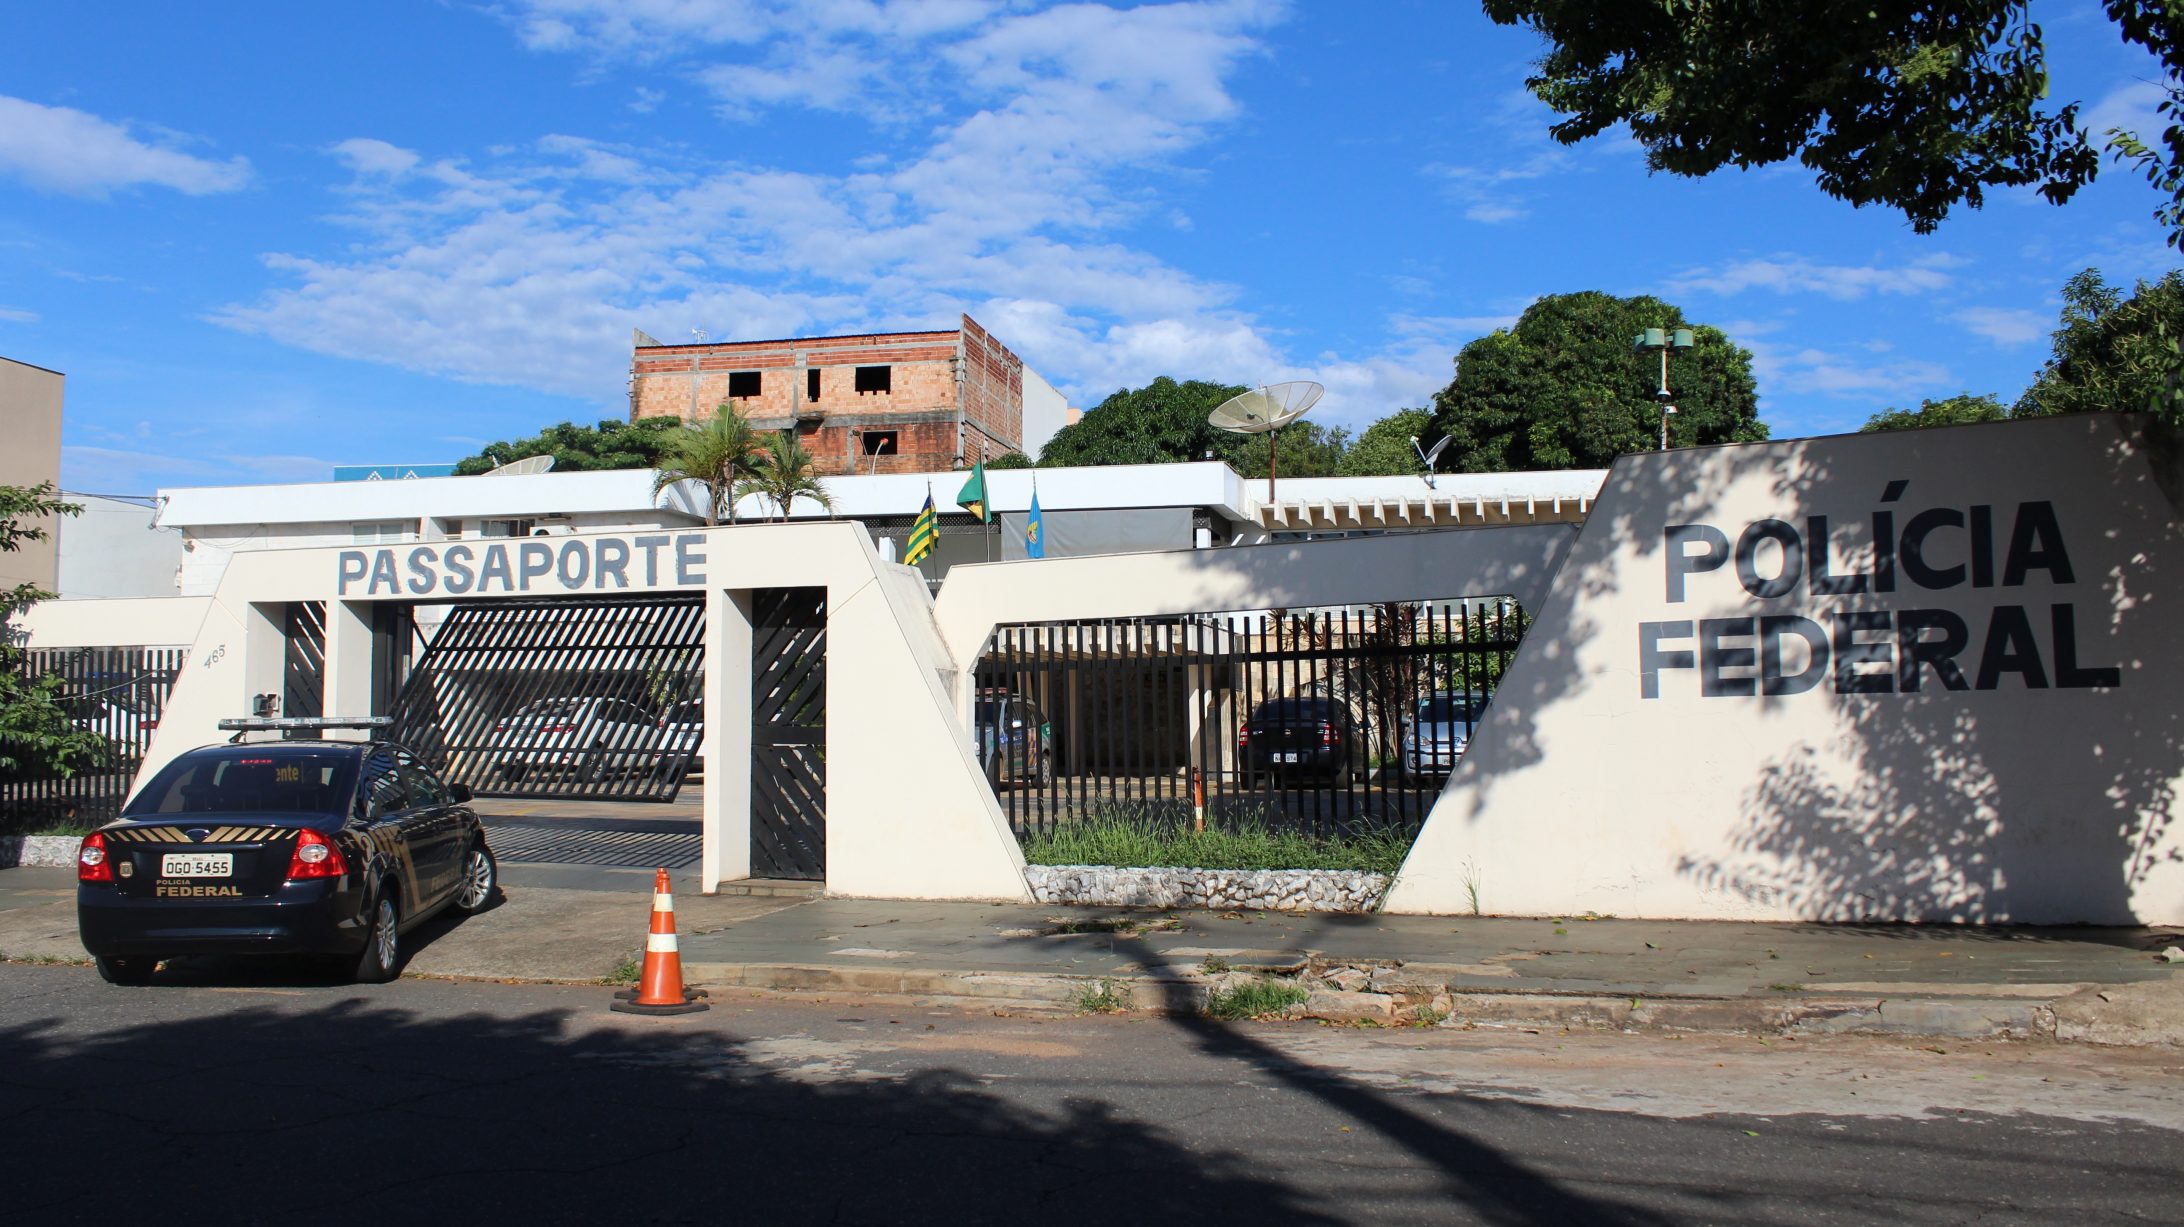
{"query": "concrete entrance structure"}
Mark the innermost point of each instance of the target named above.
(1927, 676)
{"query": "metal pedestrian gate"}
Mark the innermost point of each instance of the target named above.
(789, 733)
(571, 698)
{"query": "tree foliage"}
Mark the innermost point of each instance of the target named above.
(609, 445)
(1954, 411)
(719, 453)
(2113, 351)
(36, 735)
(1164, 422)
(785, 472)
(1564, 389)
(1918, 108)
(1385, 447)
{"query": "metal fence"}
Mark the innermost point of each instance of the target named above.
(118, 693)
(589, 698)
(1325, 720)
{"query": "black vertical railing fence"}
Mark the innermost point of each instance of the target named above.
(118, 693)
(562, 698)
(1324, 720)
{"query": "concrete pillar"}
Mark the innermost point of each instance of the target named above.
(349, 662)
(725, 811)
(265, 654)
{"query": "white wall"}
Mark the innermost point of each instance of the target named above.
(2047, 796)
(114, 550)
(1045, 412)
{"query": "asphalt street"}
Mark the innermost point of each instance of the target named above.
(270, 1095)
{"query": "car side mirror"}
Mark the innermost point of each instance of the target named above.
(459, 793)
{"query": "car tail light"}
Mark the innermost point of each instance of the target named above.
(92, 862)
(148, 722)
(1326, 733)
(1243, 735)
(315, 857)
(558, 728)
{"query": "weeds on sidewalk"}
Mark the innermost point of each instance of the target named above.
(1106, 997)
(625, 972)
(1255, 999)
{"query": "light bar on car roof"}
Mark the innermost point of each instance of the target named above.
(266, 724)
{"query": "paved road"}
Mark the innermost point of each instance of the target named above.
(260, 1100)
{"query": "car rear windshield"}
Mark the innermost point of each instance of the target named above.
(244, 782)
(547, 708)
(1294, 709)
(1450, 709)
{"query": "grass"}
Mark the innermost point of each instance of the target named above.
(625, 972)
(1134, 840)
(1255, 999)
(1106, 997)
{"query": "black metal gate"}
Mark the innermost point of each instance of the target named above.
(117, 693)
(303, 690)
(1317, 721)
(789, 733)
(563, 698)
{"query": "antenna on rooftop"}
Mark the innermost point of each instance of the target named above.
(698, 334)
(523, 467)
(1264, 410)
(1430, 456)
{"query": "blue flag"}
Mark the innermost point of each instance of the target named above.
(1034, 530)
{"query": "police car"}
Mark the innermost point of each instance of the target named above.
(284, 847)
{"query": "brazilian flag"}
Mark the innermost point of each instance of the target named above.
(924, 533)
(973, 497)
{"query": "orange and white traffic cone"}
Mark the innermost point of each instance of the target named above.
(659, 986)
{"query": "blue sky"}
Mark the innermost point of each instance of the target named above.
(265, 240)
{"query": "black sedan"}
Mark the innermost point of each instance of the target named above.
(298, 847)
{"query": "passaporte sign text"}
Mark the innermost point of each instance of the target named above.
(1887, 630)
(535, 566)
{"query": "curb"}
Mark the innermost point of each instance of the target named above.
(39, 851)
(1948, 1017)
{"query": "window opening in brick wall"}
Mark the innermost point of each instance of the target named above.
(811, 384)
(743, 384)
(880, 443)
(875, 379)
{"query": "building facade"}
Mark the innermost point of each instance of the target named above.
(899, 402)
(30, 420)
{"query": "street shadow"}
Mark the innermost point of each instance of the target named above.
(358, 1112)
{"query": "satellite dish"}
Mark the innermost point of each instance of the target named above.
(523, 467)
(1264, 410)
(1430, 456)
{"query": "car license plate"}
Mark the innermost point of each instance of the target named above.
(197, 865)
(1286, 758)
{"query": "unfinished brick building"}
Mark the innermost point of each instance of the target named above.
(897, 402)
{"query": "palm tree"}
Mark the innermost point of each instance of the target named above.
(785, 475)
(721, 453)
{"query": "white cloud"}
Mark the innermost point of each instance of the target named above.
(2005, 325)
(17, 315)
(1793, 275)
(366, 156)
(60, 149)
(1790, 371)
(2135, 108)
(1486, 192)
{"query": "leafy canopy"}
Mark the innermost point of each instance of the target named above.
(1385, 450)
(1164, 422)
(2113, 351)
(609, 445)
(719, 453)
(785, 472)
(1918, 108)
(1954, 411)
(1565, 389)
(36, 735)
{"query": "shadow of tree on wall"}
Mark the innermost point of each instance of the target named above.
(1943, 805)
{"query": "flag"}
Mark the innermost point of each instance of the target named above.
(973, 497)
(924, 533)
(1034, 529)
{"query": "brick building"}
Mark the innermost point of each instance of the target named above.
(897, 402)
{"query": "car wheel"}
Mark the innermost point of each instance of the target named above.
(513, 772)
(594, 767)
(134, 970)
(480, 875)
(382, 957)
(1046, 771)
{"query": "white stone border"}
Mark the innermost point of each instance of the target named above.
(1283, 890)
(51, 851)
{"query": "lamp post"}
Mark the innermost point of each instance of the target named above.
(1663, 339)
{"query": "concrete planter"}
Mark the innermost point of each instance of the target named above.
(1285, 890)
(49, 850)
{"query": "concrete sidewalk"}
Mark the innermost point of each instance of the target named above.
(579, 924)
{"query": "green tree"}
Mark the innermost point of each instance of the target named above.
(721, 453)
(1385, 447)
(785, 473)
(1564, 389)
(36, 736)
(1915, 107)
(1160, 423)
(1954, 411)
(609, 445)
(1308, 449)
(2114, 352)
(1010, 460)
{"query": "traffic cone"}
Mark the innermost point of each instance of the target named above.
(659, 987)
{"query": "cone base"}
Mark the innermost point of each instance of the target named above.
(687, 1007)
